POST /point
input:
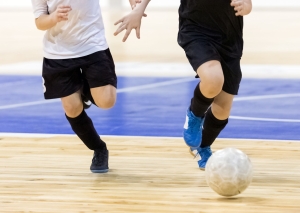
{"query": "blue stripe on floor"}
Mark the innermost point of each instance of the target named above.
(158, 110)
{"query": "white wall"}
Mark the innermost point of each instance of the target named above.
(163, 3)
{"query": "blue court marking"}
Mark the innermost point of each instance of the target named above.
(264, 108)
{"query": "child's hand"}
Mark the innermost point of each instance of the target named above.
(61, 13)
(242, 7)
(129, 22)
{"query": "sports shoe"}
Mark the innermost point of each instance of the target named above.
(86, 96)
(193, 152)
(205, 154)
(192, 132)
(100, 161)
(85, 101)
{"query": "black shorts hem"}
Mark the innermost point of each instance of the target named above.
(229, 91)
(200, 63)
(112, 81)
(62, 95)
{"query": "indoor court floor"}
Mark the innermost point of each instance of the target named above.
(45, 168)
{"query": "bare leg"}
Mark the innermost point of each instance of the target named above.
(104, 97)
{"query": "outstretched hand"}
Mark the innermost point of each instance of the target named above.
(129, 22)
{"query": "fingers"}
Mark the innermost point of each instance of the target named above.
(128, 31)
(138, 32)
(62, 15)
(239, 10)
(238, 7)
(64, 8)
(62, 12)
(239, 13)
(120, 29)
(127, 34)
(120, 21)
(236, 3)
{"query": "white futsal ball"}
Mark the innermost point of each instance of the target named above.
(228, 172)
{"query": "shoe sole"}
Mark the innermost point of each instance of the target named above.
(191, 152)
(100, 171)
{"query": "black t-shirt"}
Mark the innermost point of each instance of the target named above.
(214, 21)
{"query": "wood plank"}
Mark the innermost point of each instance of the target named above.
(146, 175)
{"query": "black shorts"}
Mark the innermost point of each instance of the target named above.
(63, 77)
(199, 51)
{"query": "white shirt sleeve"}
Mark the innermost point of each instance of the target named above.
(40, 7)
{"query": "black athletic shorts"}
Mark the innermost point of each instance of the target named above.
(199, 51)
(63, 77)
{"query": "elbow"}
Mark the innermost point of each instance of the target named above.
(39, 26)
(41, 23)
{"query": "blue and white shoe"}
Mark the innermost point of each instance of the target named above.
(193, 152)
(204, 154)
(192, 130)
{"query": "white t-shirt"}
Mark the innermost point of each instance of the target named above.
(83, 34)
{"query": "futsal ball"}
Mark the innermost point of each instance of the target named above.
(228, 172)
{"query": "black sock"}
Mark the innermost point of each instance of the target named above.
(199, 103)
(83, 126)
(211, 128)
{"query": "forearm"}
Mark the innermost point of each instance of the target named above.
(141, 7)
(45, 22)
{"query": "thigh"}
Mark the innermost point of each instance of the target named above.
(100, 70)
(198, 48)
(222, 105)
(199, 52)
(105, 96)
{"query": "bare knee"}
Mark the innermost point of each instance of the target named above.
(72, 109)
(105, 102)
(212, 78)
(212, 87)
(104, 97)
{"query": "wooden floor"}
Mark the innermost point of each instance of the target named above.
(146, 175)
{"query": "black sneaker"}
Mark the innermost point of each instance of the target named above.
(100, 161)
(85, 101)
(86, 96)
